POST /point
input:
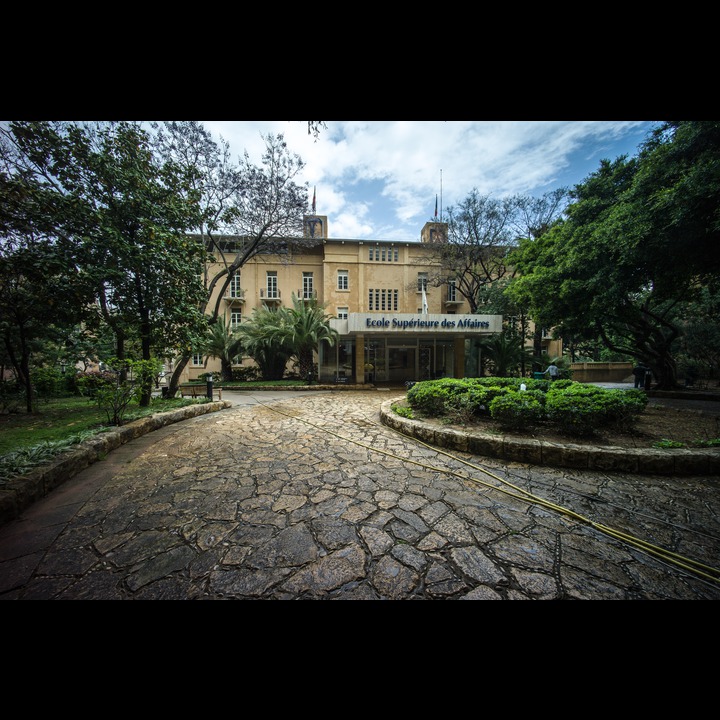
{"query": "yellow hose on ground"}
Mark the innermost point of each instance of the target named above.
(693, 566)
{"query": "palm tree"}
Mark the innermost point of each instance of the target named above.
(274, 336)
(505, 354)
(265, 341)
(223, 343)
(308, 326)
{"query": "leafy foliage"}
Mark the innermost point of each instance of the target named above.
(521, 403)
(25, 459)
(275, 336)
(107, 222)
(639, 242)
(224, 343)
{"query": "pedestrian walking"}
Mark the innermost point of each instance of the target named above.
(553, 371)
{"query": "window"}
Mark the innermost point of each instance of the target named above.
(197, 360)
(452, 291)
(235, 319)
(307, 288)
(342, 313)
(422, 282)
(234, 286)
(343, 282)
(272, 285)
(384, 254)
(383, 299)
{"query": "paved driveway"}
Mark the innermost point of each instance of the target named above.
(307, 496)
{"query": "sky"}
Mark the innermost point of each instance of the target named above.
(379, 180)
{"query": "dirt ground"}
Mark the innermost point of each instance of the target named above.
(657, 423)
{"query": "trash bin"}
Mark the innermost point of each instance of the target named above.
(538, 376)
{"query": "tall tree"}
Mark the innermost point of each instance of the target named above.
(129, 216)
(261, 208)
(639, 242)
(534, 217)
(43, 289)
(480, 234)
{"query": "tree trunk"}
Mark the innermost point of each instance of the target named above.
(664, 368)
(29, 394)
(177, 372)
(226, 370)
(307, 366)
(537, 347)
(146, 381)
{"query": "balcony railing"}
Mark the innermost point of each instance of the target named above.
(307, 294)
(270, 295)
(235, 295)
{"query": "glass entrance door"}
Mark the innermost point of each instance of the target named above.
(401, 363)
(426, 370)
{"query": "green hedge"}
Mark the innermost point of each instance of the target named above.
(520, 403)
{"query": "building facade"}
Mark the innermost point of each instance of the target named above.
(394, 326)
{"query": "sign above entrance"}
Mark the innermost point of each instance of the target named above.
(415, 322)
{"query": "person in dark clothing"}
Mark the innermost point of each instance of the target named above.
(639, 372)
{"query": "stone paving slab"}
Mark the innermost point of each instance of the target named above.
(312, 497)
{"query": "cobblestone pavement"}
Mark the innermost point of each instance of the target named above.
(297, 496)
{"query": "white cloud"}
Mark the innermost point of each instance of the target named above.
(379, 179)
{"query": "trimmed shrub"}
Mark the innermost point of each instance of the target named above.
(431, 396)
(580, 409)
(247, 373)
(517, 410)
(48, 382)
(574, 408)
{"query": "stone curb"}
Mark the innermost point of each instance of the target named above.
(23, 490)
(649, 461)
(329, 386)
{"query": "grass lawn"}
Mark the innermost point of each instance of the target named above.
(28, 440)
(31, 439)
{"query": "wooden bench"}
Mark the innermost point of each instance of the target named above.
(199, 391)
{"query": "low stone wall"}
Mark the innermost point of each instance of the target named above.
(680, 461)
(589, 372)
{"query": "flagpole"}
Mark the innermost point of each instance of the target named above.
(440, 194)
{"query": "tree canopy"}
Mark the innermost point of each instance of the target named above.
(121, 216)
(260, 207)
(639, 241)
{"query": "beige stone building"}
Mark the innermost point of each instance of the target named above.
(394, 326)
